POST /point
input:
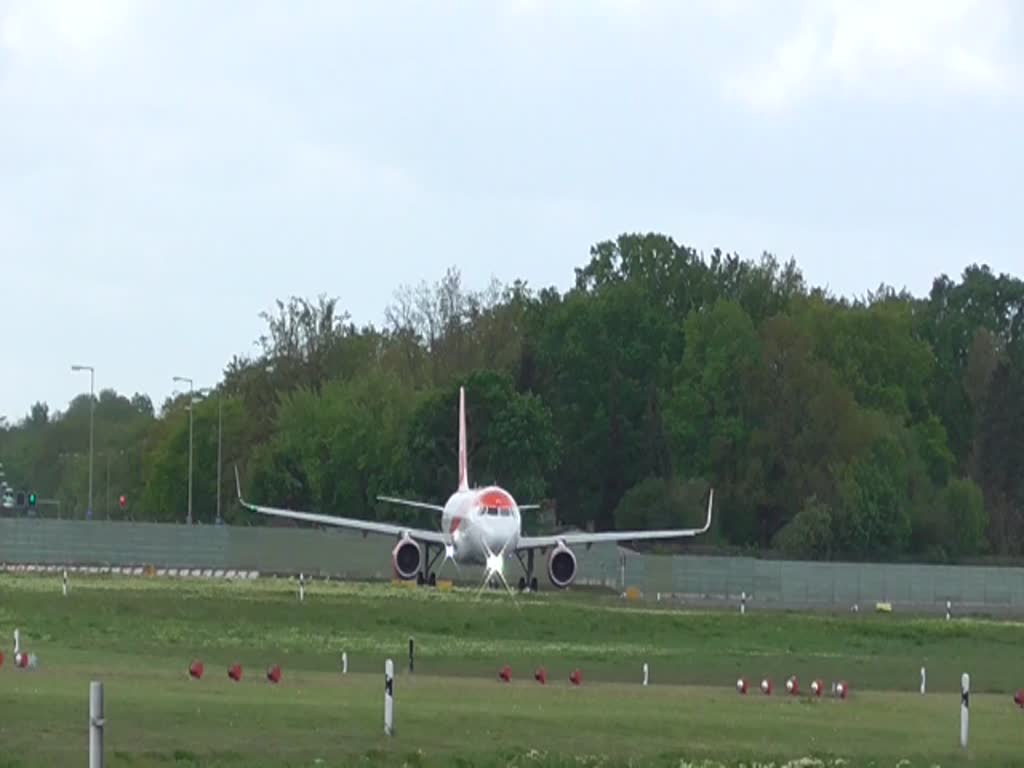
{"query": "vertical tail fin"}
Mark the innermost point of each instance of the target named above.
(463, 469)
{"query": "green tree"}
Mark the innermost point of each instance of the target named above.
(874, 352)
(335, 451)
(872, 517)
(805, 425)
(949, 320)
(596, 359)
(1001, 458)
(965, 518)
(808, 536)
(709, 412)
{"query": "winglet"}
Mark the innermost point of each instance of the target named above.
(463, 468)
(711, 500)
(238, 487)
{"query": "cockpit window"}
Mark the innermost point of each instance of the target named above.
(495, 511)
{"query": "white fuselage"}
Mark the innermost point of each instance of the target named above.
(481, 522)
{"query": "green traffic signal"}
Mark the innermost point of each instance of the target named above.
(31, 499)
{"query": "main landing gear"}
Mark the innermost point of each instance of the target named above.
(522, 584)
(426, 574)
(529, 579)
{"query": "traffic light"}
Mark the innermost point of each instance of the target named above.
(20, 499)
(123, 501)
(32, 499)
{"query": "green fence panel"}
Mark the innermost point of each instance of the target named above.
(346, 554)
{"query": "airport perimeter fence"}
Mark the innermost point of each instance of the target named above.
(690, 579)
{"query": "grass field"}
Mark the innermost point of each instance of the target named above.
(139, 635)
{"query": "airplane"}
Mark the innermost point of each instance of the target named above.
(479, 526)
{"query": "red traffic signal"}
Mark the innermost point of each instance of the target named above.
(123, 501)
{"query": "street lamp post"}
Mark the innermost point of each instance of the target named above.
(92, 412)
(191, 404)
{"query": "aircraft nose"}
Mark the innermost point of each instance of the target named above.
(498, 539)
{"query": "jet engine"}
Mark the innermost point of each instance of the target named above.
(406, 558)
(561, 566)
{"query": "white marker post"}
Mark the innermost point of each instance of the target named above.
(64, 589)
(302, 589)
(965, 696)
(949, 610)
(344, 663)
(95, 725)
(743, 603)
(646, 673)
(17, 642)
(923, 679)
(389, 697)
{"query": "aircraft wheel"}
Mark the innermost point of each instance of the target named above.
(433, 579)
(533, 584)
(420, 579)
(522, 583)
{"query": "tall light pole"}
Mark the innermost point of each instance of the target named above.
(191, 403)
(92, 412)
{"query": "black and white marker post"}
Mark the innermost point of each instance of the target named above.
(302, 588)
(646, 673)
(412, 651)
(965, 696)
(64, 588)
(96, 723)
(389, 697)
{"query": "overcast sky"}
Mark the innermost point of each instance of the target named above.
(168, 169)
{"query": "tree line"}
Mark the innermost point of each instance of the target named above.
(886, 426)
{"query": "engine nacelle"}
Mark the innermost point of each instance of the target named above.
(561, 566)
(406, 558)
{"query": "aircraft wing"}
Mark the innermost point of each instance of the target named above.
(583, 537)
(410, 503)
(367, 526)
